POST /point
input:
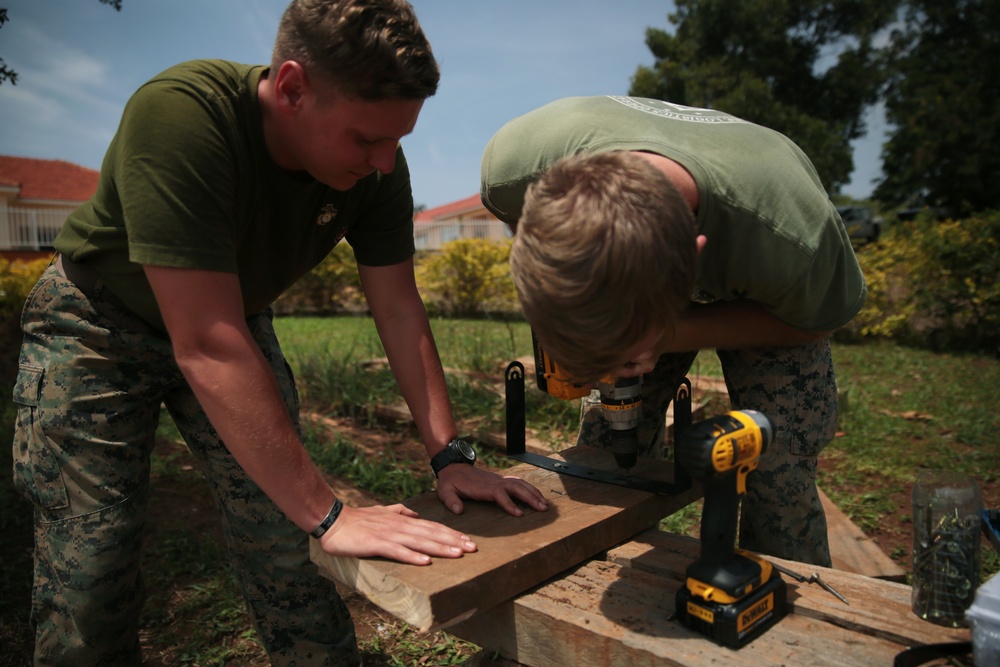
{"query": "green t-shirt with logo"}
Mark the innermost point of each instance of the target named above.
(773, 236)
(188, 182)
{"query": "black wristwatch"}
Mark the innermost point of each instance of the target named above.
(457, 451)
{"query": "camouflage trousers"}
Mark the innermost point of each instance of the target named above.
(781, 513)
(91, 381)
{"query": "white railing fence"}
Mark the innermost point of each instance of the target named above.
(23, 228)
(433, 235)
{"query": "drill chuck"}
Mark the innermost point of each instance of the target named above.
(621, 403)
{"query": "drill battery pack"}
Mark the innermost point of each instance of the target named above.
(738, 623)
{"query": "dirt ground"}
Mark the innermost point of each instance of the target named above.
(893, 532)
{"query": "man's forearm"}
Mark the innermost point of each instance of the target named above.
(413, 357)
(241, 399)
(733, 325)
(405, 332)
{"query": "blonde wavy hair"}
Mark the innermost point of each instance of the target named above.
(604, 254)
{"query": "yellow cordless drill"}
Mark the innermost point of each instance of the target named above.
(621, 400)
(730, 595)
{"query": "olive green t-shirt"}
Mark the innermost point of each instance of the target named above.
(773, 236)
(188, 182)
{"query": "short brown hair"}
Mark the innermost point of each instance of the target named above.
(370, 50)
(603, 255)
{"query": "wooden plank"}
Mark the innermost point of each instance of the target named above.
(604, 614)
(515, 553)
(876, 607)
(853, 551)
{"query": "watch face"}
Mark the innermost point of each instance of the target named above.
(466, 449)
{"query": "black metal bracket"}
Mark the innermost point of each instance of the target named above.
(517, 449)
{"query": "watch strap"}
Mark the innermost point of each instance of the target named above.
(452, 453)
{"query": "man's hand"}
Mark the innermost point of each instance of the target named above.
(460, 480)
(393, 532)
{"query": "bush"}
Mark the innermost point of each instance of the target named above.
(16, 281)
(468, 277)
(331, 288)
(889, 310)
(955, 286)
(934, 284)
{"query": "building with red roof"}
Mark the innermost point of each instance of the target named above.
(35, 198)
(462, 219)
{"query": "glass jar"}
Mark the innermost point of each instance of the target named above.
(946, 561)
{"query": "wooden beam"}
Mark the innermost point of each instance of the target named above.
(620, 611)
(515, 553)
(879, 608)
(853, 551)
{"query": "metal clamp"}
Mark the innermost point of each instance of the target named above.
(517, 449)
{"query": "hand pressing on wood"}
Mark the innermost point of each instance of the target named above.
(465, 481)
(395, 532)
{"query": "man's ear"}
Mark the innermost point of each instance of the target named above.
(290, 86)
(700, 241)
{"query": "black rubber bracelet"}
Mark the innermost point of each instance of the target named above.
(330, 519)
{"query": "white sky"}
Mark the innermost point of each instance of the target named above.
(79, 60)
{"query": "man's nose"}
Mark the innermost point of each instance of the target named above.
(383, 158)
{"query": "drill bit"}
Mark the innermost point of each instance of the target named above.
(814, 578)
(827, 587)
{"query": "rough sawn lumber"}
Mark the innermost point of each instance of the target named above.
(515, 553)
(852, 550)
(619, 611)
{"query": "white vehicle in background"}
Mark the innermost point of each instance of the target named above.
(861, 222)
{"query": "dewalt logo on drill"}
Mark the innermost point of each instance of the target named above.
(755, 613)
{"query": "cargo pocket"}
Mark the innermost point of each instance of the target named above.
(37, 474)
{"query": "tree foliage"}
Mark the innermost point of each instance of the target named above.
(944, 102)
(6, 73)
(806, 68)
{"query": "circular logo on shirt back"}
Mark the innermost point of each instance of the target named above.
(675, 111)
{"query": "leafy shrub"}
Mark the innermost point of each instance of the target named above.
(17, 278)
(934, 284)
(955, 286)
(468, 277)
(333, 287)
(888, 311)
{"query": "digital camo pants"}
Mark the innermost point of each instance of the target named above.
(90, 385)
(795, 387)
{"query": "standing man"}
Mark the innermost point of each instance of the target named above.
(223, 185)
(647, 231)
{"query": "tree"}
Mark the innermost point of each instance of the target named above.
(6, 73)
(943, 100)
(806, 68)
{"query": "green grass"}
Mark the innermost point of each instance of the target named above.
(330, 358)
(907, 410)
(194, 581)
(385, 476)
